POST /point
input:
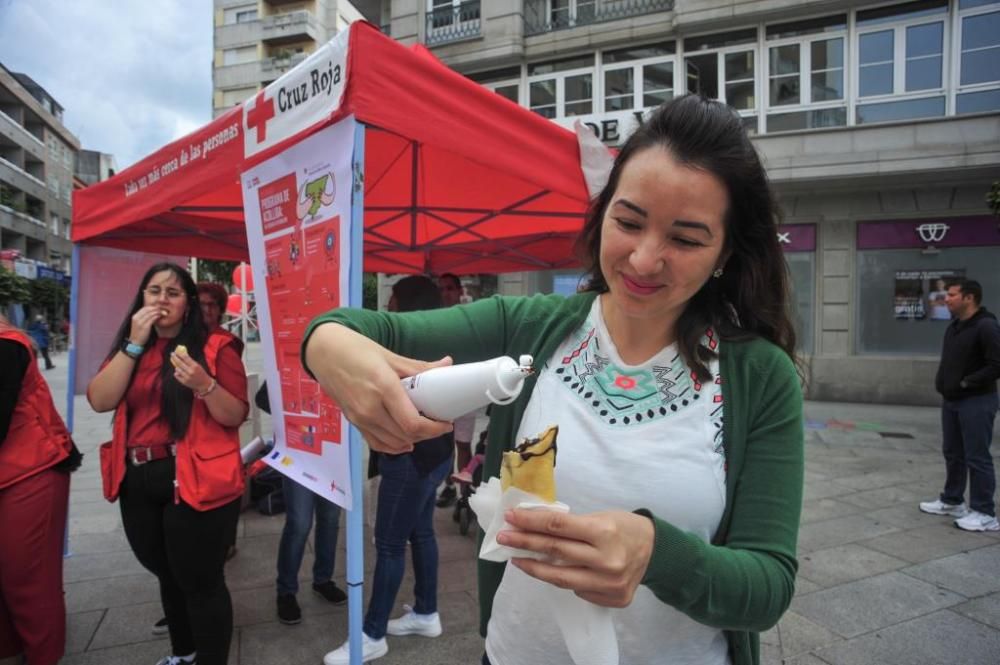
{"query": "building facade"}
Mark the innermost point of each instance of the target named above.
(879, 123)
(256, 41)
(37, 158)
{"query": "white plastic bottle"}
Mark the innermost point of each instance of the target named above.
(445, 393)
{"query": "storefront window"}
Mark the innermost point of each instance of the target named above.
(798, 241)
(901, 276)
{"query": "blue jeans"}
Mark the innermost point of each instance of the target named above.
(300, 504)
(967, 426)
(405, 513)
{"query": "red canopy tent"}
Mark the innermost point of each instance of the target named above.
(456, 177)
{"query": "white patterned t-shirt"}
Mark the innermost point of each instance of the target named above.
(630, 436)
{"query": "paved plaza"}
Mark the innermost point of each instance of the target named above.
(879, 581)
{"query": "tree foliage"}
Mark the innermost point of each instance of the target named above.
(220, 272)
(13, 288)
(50, 296)
(993, 198)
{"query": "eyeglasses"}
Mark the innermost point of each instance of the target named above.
(156, 292)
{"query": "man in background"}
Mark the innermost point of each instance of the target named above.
(967, 380)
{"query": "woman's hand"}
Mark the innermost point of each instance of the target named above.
(189, 373)
(363, 379)
(602, 557)
(142, 324)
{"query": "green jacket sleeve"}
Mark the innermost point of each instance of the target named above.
(467, 333)
(746, 582)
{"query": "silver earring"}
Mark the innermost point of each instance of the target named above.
(717, 273)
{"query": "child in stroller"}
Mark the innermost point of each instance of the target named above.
(468, 478)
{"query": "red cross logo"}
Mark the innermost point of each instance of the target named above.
(257, 117)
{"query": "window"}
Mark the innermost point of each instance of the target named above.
(639, 77)
(805, 74)
(726, 72)
(505, 82)
(978, 56)
(54, 224)
(565, 13)
(241, 14)
(239, 56)
(562, 88)
(900, 52)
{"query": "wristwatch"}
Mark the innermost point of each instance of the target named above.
(131, 350)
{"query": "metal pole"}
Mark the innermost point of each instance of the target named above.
(74, 323)
(355, 516)
(243, 303)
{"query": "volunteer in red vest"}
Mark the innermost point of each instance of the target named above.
(179, 395)
(36, 456)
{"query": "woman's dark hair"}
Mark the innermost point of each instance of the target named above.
(416, 292)
(175, 399)
(751, 296)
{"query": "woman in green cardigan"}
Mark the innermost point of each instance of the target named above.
(672, 380)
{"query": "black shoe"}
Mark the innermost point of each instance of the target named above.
(288, 609)
(331, 592)
(447, 497)
(161, 627)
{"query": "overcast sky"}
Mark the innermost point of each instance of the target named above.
(131, 75)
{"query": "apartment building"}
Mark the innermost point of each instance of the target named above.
(37, 157)
(256, 41)
(879, 123)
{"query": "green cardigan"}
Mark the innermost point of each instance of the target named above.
(744, 580)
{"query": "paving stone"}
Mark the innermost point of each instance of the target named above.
(80, 629)
(930, 542)
(110, 592)
(817, 510)
(129, 624)
(800, 635)
(859, 607)
(905, 516)
(95, 543)
(984, 610)
(99, 566)
(804, 586)
(845, 563)
(971, 574)
(883, 496)
(877, 480)
(941, 637)
(132, 654)
(830, 533)
(824, 489)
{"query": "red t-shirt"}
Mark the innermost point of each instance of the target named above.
(146, 424)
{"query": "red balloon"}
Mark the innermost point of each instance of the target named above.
(234, 304)
(237, 282)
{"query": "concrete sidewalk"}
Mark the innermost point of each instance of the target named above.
(879, 581)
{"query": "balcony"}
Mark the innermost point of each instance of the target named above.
(18, 178)
(21, 136)
(22, 223)
(275, 66)
(540, 17)
(455, 23)
(290, 27)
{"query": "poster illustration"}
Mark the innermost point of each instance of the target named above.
(297, 207)
(920, 294)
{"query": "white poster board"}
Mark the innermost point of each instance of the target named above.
(298, 213)
(108, 283)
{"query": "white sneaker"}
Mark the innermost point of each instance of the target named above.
(939, 507)
(411, 623)
(977, 521)
(178, 660)
(370, 650)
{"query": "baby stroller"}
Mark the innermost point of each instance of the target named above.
(468, 480)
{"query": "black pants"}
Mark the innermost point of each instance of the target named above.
(45, 354)
(186, 550)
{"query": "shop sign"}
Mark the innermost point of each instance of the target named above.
(797, 237)
(25, 269)
(981, 231)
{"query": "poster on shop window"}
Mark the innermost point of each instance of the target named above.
(298, 210)
(920, 294)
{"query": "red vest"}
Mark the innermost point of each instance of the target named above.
(37, 437)
(209, 468)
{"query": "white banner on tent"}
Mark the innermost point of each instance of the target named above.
(301, 98)
(108, 282)
(298, 213)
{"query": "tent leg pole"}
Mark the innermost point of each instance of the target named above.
(356, 517)
(74, 307)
